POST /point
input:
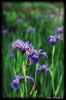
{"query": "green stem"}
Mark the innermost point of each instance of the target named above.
(53, 56)
(52, 69)
(14, 66)
(33, 88)
(24, 73)
(18, 61)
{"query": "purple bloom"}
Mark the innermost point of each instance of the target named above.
(55, 36)
(4, 31)
(43, 53)
(31, 30)
(59, 30)
(43, 68)
(15, 83)
(34, 56)
(11, 51)
(60, 37)
(21, 78)
(52, 40)
(22, 46)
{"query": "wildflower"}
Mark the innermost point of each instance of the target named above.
(4, 31)
(59, 30)
(58, 36)
(43, 68)
(31, 30)
(21, 77)
(34, 56)
(42, 52)
(11, 51)
(52, 40)
(22, 46)
(15, 83)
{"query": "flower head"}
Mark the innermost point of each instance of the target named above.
(43, 68)
(34, 56)
(42, 52)
(52, 40)
(15, 82)
(22, 46)
(59, 30)
(31, 30)
(4, 31)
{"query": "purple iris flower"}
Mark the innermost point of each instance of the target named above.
(34, 55)
(15, 84)
(43, 68)
(4, 31)
(31, 30)
(59, 30)
(22, 46)
(42, 52)
(52, 40)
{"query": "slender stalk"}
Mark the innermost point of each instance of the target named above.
(33, 88)
(18, 61)
(24, 73)
(14, 66)
(52, 68)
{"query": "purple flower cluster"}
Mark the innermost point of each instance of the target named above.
(15, 84)
(22, 46)
(32, 55)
